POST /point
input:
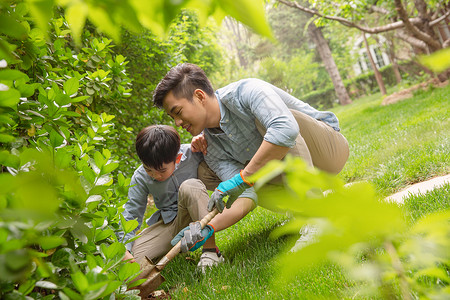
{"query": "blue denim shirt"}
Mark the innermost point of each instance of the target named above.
(165, 193)
(232, 146)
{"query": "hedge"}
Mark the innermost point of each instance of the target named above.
(364, 84)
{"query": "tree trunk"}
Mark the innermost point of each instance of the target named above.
(377, 73)
(327, 59)
(393, 59)
(233, 25)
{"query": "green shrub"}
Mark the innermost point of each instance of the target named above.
(60, 189)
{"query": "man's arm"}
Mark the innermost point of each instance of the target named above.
(266, 152)
(240, 208)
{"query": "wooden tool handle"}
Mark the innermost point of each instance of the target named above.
(176, 249)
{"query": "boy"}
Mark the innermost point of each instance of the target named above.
(246, 124)
(168, 172)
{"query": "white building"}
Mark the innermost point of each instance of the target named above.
(378, 54)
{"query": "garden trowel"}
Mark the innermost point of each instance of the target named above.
(152, 272)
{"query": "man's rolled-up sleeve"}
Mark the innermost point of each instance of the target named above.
(267, 106)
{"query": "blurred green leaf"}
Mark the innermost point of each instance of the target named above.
(109, 168)
(26, 287)
(99, 160)
(71, 86)
(62, 99)
(12, 75)
(9, 160)
(439, 61)
(9, 98)
(80, 281)
(56, 139)
(113, 250)
(72, 294)
(6, 138)
(250, 13)
(103, 234)
(61, 258)
(76, 15)
(42, 11)
(127, 270)
(98, 190)
(79, 99)
(10, 26)
(129, 225)
(50, 242)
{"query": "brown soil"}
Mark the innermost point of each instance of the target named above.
(408, 93)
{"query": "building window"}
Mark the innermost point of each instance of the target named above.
(378, 58)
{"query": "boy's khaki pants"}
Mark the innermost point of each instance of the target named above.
(154, 241)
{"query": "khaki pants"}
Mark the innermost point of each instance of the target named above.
(154, 241)
(317, 143)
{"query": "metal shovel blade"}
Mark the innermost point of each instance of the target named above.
(154, 280)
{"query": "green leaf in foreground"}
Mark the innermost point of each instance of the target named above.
(345, 216)
(439, 61)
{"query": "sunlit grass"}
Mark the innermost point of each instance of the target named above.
(399, 144)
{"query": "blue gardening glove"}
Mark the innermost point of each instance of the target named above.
(233, 187)
(193, 236)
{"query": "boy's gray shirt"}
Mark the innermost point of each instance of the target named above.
(232, 146)
(165, 193)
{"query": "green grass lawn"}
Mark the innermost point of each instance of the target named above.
(391, 146)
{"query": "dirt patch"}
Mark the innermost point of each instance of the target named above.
(408, 93)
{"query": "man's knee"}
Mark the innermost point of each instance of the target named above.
(190, 184)
(207, 176)
(191, 188)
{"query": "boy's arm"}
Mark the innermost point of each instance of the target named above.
(135, 207)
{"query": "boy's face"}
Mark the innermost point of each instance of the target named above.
(161, 174)
(191, 115)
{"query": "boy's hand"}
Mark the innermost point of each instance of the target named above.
(193, 236)
(199, 144)
(129, 256)
(233, 187)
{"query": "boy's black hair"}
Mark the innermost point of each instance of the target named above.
(182, 80)
(156, 145)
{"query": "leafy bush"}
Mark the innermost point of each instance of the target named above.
(59, 208)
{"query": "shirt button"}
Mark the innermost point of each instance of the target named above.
(247, 149)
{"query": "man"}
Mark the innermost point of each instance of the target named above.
(247, 124)
(168, 172)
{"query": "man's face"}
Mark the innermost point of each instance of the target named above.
(191, 115)
(161, 174)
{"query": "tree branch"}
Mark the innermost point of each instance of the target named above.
(434, 22)
(411, 40)
(348, 23)
(409, 26)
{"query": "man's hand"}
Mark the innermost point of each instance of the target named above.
(232, 187)
(129, 257)
(199, 144)
(193, 236)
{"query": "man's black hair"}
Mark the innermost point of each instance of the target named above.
(182, 80)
